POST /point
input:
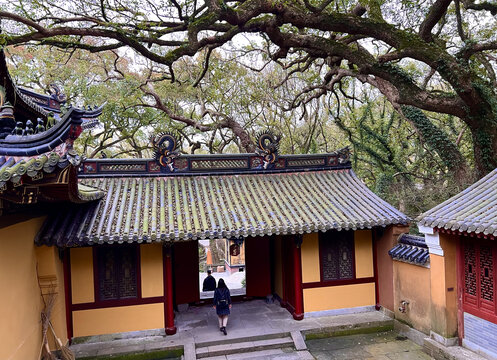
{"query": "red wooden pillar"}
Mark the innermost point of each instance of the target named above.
(297, 276)
(168, 292)
(68, 292)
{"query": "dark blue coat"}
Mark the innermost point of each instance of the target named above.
(222, 308)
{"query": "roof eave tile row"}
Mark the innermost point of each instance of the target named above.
(201, 207)
(473, 210)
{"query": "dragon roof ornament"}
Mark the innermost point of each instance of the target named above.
(165, 145)
(267, 148)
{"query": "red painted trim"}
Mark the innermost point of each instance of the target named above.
(475, 305)
(284, 299)
(297, 269)
(68, 292)
(168, 289)
(494, 254)
(138, 272)
(96, 281)
(375, 268)
(478, 313)
(164, 284)
(464, 233)
(460, 277)
(318, 284)
(117, 303)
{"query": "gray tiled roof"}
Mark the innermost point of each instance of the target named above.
(473, 210)
(411, 249)
(200, 207)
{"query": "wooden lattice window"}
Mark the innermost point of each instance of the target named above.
(337, 255)
(479, 278)
(117, 272)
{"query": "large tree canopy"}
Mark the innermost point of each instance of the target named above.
(434, 57)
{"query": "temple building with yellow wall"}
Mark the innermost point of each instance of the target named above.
(103, 246)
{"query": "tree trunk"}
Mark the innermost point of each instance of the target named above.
(485, 146)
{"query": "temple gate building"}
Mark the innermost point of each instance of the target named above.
(117, 239)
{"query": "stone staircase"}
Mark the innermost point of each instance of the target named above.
(270, 346)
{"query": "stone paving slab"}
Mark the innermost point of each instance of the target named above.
(380, 346)
(440, 352)
(298, 340)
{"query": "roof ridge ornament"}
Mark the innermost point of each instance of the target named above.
(165, 145)
(343, 155)
(268, 145)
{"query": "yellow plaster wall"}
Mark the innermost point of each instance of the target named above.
(444, 288)
(20, 302)
(151, 270)
(363, 242)
(278, 276)
(50, 266)
(412, 283)
(118, 319)
(82, 287)
(384, 243)
(310, 258)
(339, 297)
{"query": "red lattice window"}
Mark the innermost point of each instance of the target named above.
(117, 272)
(479, 277)
(337, 255)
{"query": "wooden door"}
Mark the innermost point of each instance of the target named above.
(186, 275)
(288, 270)
(258, 266)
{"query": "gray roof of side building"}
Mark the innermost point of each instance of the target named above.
(473, 210)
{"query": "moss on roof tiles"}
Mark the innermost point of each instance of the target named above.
(200, 207)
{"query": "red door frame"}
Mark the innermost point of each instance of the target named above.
(258, 266)
(477, 310)
(68, 292)
(291, 270)
(460, 290)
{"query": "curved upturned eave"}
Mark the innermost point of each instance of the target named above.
(15, 96)
(37, 144)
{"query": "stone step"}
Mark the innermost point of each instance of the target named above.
(126, 346)
(230, 348)
(441, 352)
(272, 354)
(237, 339)
(253, 355)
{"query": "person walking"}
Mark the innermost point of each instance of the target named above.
(222, 304)
(209, 282)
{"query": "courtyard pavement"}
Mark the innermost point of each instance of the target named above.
(256, 317)
(378, 346)
(254, 321)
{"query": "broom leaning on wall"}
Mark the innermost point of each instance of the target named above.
(49, 294)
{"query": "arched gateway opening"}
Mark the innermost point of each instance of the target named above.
(306, 224)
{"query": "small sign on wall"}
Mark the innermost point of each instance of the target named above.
(235, 250)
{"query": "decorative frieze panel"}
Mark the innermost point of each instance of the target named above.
(123, 168)
(307, 162)
(219, 164)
